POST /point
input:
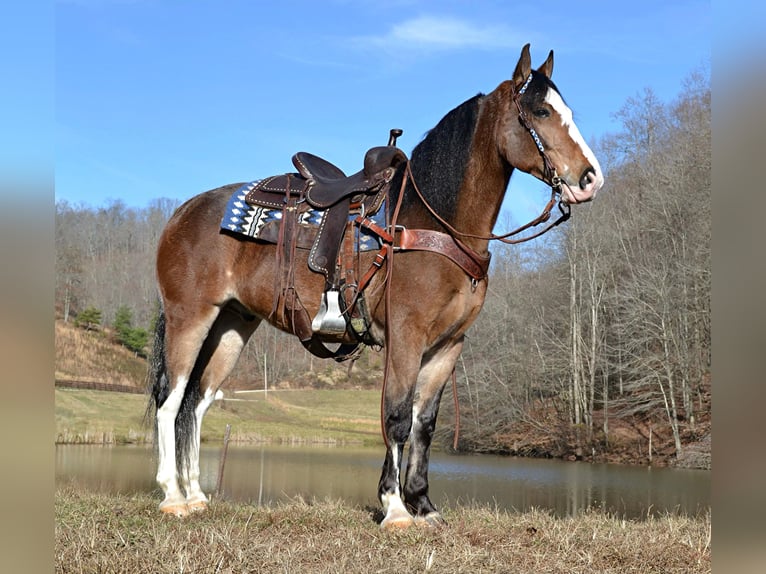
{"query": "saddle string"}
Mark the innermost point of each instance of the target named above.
(387, 294)
(456, 402)
(279, 278)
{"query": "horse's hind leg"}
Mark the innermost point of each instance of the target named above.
(223, 346)
(185, 333)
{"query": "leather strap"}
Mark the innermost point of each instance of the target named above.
(474, 264)
(380, 258)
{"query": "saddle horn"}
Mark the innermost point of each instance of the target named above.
(393, 134)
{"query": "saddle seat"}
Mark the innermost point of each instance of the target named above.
(329, 183)
(324, 184)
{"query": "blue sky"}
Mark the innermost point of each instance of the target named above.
(158, 98)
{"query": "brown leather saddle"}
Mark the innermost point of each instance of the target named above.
(321, 186)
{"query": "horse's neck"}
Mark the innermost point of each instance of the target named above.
(485, 181)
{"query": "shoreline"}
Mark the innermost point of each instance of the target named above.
(300, 417)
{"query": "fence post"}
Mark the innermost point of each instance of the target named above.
(222, 461)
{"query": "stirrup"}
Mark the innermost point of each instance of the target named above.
(329, 320)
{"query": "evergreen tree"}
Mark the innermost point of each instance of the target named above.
(135, 340)
(88, 319)
(123, 323)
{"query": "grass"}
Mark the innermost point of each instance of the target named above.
(126, 534)
(305, 416)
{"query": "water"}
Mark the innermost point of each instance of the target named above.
(269, 474)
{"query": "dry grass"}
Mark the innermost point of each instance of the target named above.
(121, 534)
(90, 356)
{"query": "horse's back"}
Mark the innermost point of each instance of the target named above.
(204, 209)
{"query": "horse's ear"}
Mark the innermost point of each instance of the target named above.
(547, 68)
(523, 68)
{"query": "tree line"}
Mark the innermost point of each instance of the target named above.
(604, 320)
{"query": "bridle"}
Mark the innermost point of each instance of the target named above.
(549, 174)
(475, 264)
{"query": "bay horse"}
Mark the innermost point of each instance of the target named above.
(216, 289)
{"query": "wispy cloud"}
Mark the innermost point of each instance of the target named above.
(441, 33)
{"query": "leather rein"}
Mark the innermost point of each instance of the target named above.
(549, 173)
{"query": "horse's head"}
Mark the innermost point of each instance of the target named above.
(540, 137)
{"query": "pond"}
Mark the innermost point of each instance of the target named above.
(269, 474)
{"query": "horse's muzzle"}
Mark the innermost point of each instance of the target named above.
(585, 190)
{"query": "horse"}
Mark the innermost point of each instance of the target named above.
(215, 289)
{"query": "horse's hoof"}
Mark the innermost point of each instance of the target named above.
(197, 506)
(397, 521)
(430, 520)
(179, 509)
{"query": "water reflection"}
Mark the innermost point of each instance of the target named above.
(266, 474)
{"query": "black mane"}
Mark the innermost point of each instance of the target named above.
(439, 160)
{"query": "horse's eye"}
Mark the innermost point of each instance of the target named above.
(541, 113)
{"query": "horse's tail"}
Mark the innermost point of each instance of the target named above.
(158, 386)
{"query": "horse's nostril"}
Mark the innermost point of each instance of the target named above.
(588, 177)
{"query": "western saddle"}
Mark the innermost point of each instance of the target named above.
(321, 186)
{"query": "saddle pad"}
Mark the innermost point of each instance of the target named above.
(244, 219)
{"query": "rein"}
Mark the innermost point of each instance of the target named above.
(504, 238)
(549, 172)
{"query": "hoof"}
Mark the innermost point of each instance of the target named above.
(397, 521)
(179, 509)
(430, 520)
(197, 506)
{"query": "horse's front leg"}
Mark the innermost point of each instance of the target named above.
(432, 378)
(397, 423)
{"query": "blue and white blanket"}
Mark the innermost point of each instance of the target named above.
(245, 219)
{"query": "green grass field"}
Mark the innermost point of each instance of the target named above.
(302, 416)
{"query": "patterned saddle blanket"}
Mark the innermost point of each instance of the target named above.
(262, 223)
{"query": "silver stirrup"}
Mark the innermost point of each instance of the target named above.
(329, 320)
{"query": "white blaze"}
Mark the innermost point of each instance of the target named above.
(554, 100)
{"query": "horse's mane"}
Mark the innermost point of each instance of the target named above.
(438, 162)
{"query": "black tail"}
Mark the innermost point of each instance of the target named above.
(159, 387)
(158, 384)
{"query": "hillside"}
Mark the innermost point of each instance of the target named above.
(92, 356)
